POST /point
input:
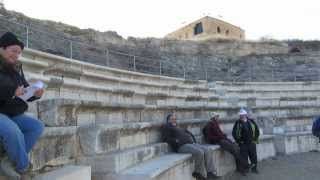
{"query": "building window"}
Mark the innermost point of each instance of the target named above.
(198, 29)
(227, 32)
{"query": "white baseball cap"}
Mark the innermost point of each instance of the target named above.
(243, 112)
(213, 114)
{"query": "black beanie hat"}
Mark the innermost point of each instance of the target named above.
(8, 39)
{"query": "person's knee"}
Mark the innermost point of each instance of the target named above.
(12, 135)
(199, 154)
(39, 127)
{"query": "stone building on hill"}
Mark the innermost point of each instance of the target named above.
(208, 28)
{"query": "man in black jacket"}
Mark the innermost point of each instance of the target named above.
(182, 141)
(18, 132)
(246, 133)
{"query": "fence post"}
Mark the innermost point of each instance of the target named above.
(107, 57)
(134, 63)
(206, 71)
(27, 39)
(160, 68)
(184, 72)
(71, 56)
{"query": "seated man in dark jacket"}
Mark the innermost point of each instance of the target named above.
(182, 141)
(246, 134)
(214, 135)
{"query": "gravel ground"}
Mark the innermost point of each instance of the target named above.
(304, 166)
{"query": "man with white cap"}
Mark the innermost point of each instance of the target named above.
(246, 134)
(214, 135)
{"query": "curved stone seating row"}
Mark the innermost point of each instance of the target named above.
(98, 78)
(64, 173)
(78, 90)
(44, 63)
(70, 112)
(274, 86)
(166, 167)
(110, 119)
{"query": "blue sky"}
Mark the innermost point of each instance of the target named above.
(277, 19)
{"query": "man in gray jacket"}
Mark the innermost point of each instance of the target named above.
(183, 141)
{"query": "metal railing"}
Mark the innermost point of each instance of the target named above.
(55, 43)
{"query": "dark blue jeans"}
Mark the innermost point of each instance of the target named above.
(19, 134)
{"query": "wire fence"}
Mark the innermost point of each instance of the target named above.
(55, 43)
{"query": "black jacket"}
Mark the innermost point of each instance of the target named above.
(246, 133)
(10, 79)
(176, 137)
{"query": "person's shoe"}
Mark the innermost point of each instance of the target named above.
(8, 169)
(255, 170)
(25, 177)
(242, 171)
(198, 176)
(211, 175)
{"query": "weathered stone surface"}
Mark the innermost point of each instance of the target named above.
(67, 173)
(296, 142)
(121, 160)
(57, 146)
(167, 167)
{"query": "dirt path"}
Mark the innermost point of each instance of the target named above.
(305, 166)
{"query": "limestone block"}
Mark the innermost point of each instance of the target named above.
(67, 173)
(93, 140)
(129, 139)
(121, 160)
(86, 119)
(266, 147)
(223, 161)
(58, 112)
(167, 167)
(55, 82)
(57, 146)
(233, 101)
(296, 142)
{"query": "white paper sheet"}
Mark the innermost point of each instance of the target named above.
(29, 91)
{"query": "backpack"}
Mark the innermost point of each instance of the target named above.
(316, 127)
(205, 132)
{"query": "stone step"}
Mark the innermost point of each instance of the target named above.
(71, 112)
(266, 85)
(166, 167)
(67, 173)
(57, 146)
(88, 89)
(270, 93)
(121, 160)
(63, 173)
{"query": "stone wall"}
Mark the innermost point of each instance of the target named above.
(110, 119)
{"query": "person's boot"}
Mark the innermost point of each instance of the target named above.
(198, 176)
(254, 169)
(211, 175)
(8, 169)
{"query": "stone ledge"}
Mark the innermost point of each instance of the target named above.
(67, 173)
(57, 146)
(121, 160)
(156, 167)
(296, 142)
